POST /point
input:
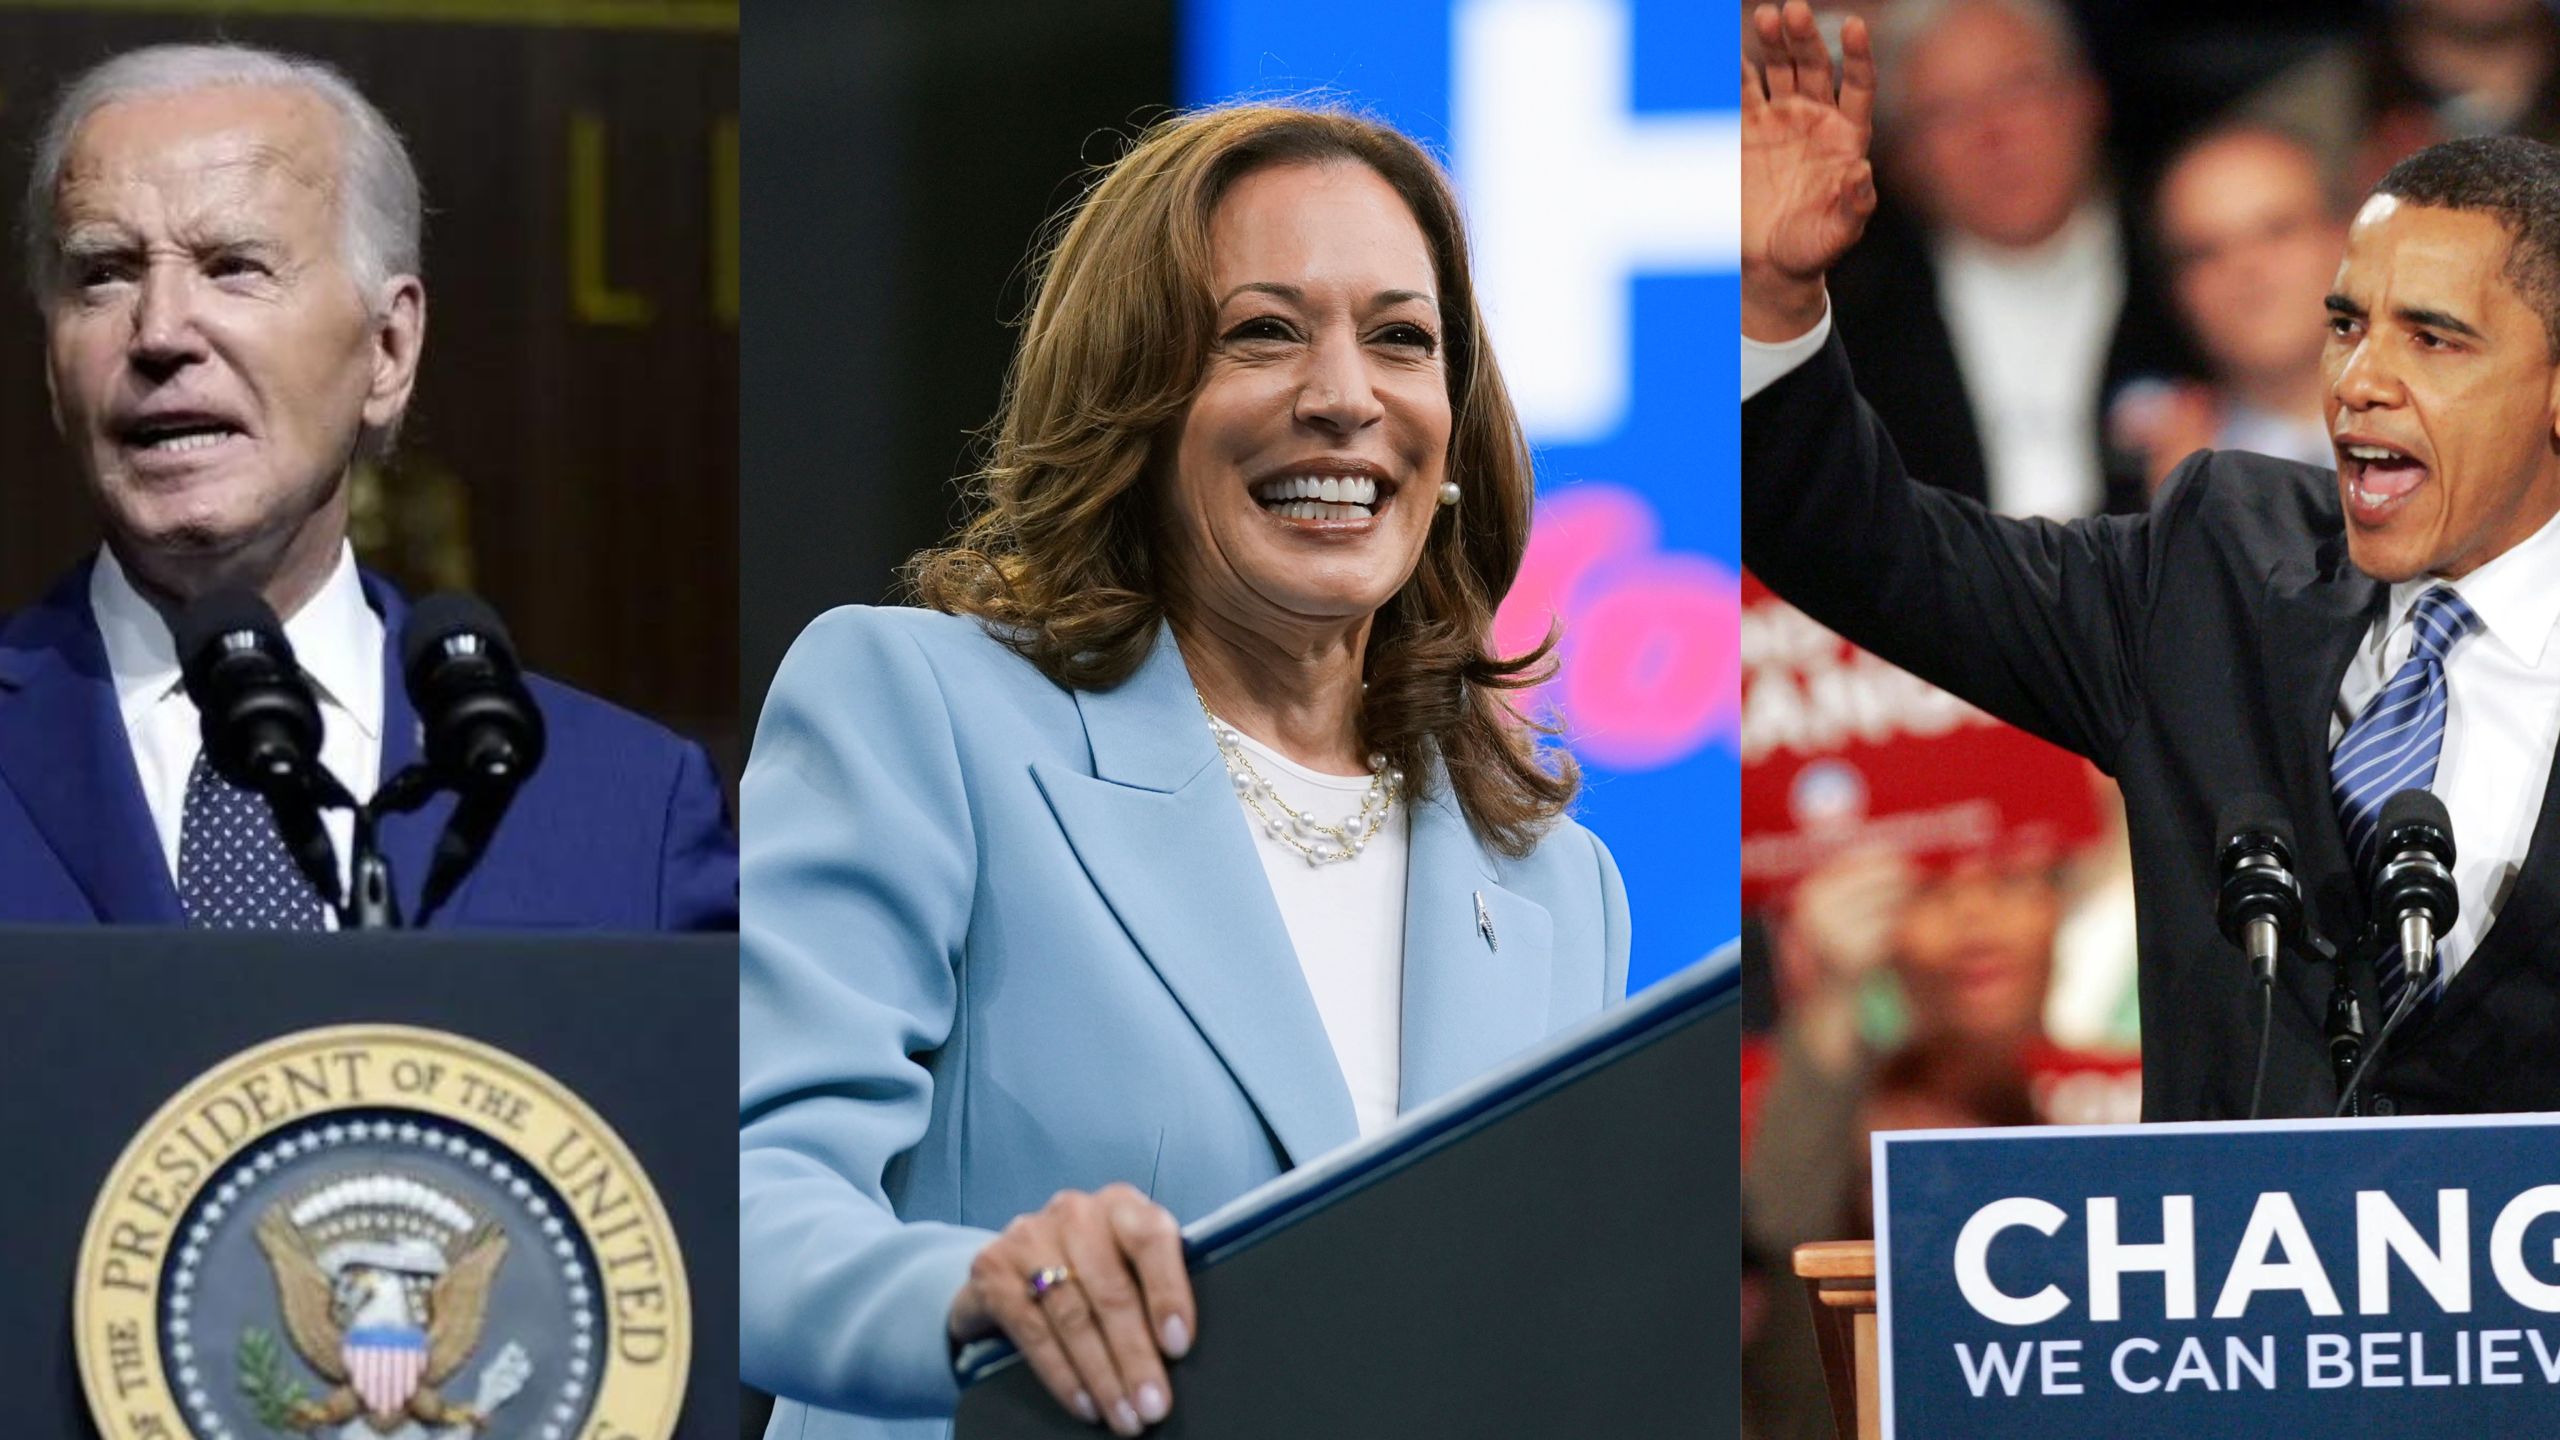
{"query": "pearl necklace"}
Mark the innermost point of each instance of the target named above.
(1320, 843)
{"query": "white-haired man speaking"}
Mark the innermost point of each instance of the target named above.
(224, 246)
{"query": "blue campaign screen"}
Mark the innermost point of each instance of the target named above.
(1594, 145)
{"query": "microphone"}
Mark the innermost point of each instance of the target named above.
(261, 726)
(2413, 891)
(2260, 907)
(2414, 888)
(483, 732)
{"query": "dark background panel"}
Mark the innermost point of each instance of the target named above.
(571, 450)
(902, 156)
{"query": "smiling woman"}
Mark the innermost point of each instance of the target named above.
(1265, 224)
(1187, 832)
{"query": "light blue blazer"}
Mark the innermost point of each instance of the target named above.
(1003, 938)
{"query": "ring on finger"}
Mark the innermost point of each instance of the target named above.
(1048, 1278)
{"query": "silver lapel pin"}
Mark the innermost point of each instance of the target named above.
(1484, 924)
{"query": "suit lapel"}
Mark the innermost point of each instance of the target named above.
(2525, 922)
(1471, 998)
(63, 751)
(2317, 612)
(1158, 831)
(408, 841)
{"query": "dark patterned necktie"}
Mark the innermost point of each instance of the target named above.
(233, 870)
(2393, 746)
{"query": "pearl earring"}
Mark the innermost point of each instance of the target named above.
(1449, 493)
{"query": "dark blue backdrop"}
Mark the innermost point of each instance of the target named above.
(2492, 1367)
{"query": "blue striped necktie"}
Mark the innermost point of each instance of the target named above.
(2394, 744)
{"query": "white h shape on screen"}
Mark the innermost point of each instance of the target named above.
(1572, 194)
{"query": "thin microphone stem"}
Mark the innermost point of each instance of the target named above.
(2399, 1012)
(2266, 1029)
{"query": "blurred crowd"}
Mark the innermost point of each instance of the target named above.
(2104, 236)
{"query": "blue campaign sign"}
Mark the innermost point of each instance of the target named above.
(1595, 145)
(2281, 1278)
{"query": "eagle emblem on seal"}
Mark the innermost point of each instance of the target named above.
(384, 1284)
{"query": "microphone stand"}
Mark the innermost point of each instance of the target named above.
(2346, 1034)
(374, 903)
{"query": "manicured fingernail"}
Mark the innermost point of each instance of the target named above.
(1085, 1411)
(1177, 1337)
(1124, 1421)
(1151, 1402)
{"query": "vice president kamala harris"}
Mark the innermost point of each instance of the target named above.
(1185, 832)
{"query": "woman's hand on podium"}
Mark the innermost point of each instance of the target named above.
(1092, 1290)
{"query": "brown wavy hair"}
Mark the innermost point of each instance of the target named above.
(1060, 559)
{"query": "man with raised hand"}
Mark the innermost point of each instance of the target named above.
(2323, 639)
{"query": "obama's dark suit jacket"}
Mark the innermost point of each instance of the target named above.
(2195, 654)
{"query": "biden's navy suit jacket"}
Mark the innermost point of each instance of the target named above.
(1005, 938)
(623, 826)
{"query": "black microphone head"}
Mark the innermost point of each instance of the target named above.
(2256, 860)
(438, 618)
(261, 727)
(2416, 820)
(2253, 822)
(202, 629)
(484, 732)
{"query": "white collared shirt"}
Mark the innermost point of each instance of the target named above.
(336, 637)
(1766, 362)
(2502, 718)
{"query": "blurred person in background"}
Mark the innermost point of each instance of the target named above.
(1969, 949)
(1186, 831)
(2001, 299)
(2420, 71)
(224, 245)
(2252, 235)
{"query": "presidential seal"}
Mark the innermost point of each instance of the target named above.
(373, 1232)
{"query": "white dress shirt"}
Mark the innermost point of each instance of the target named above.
(1765, 363)
(1346, 921)
(2502, 718)
(336, 637)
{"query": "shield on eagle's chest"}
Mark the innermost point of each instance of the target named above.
(383, 1363)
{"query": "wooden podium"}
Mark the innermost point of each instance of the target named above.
(1840, 1278)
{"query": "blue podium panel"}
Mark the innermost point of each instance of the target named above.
(2288, 1278)
(165, 1083)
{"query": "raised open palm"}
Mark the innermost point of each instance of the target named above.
(1807, 186)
